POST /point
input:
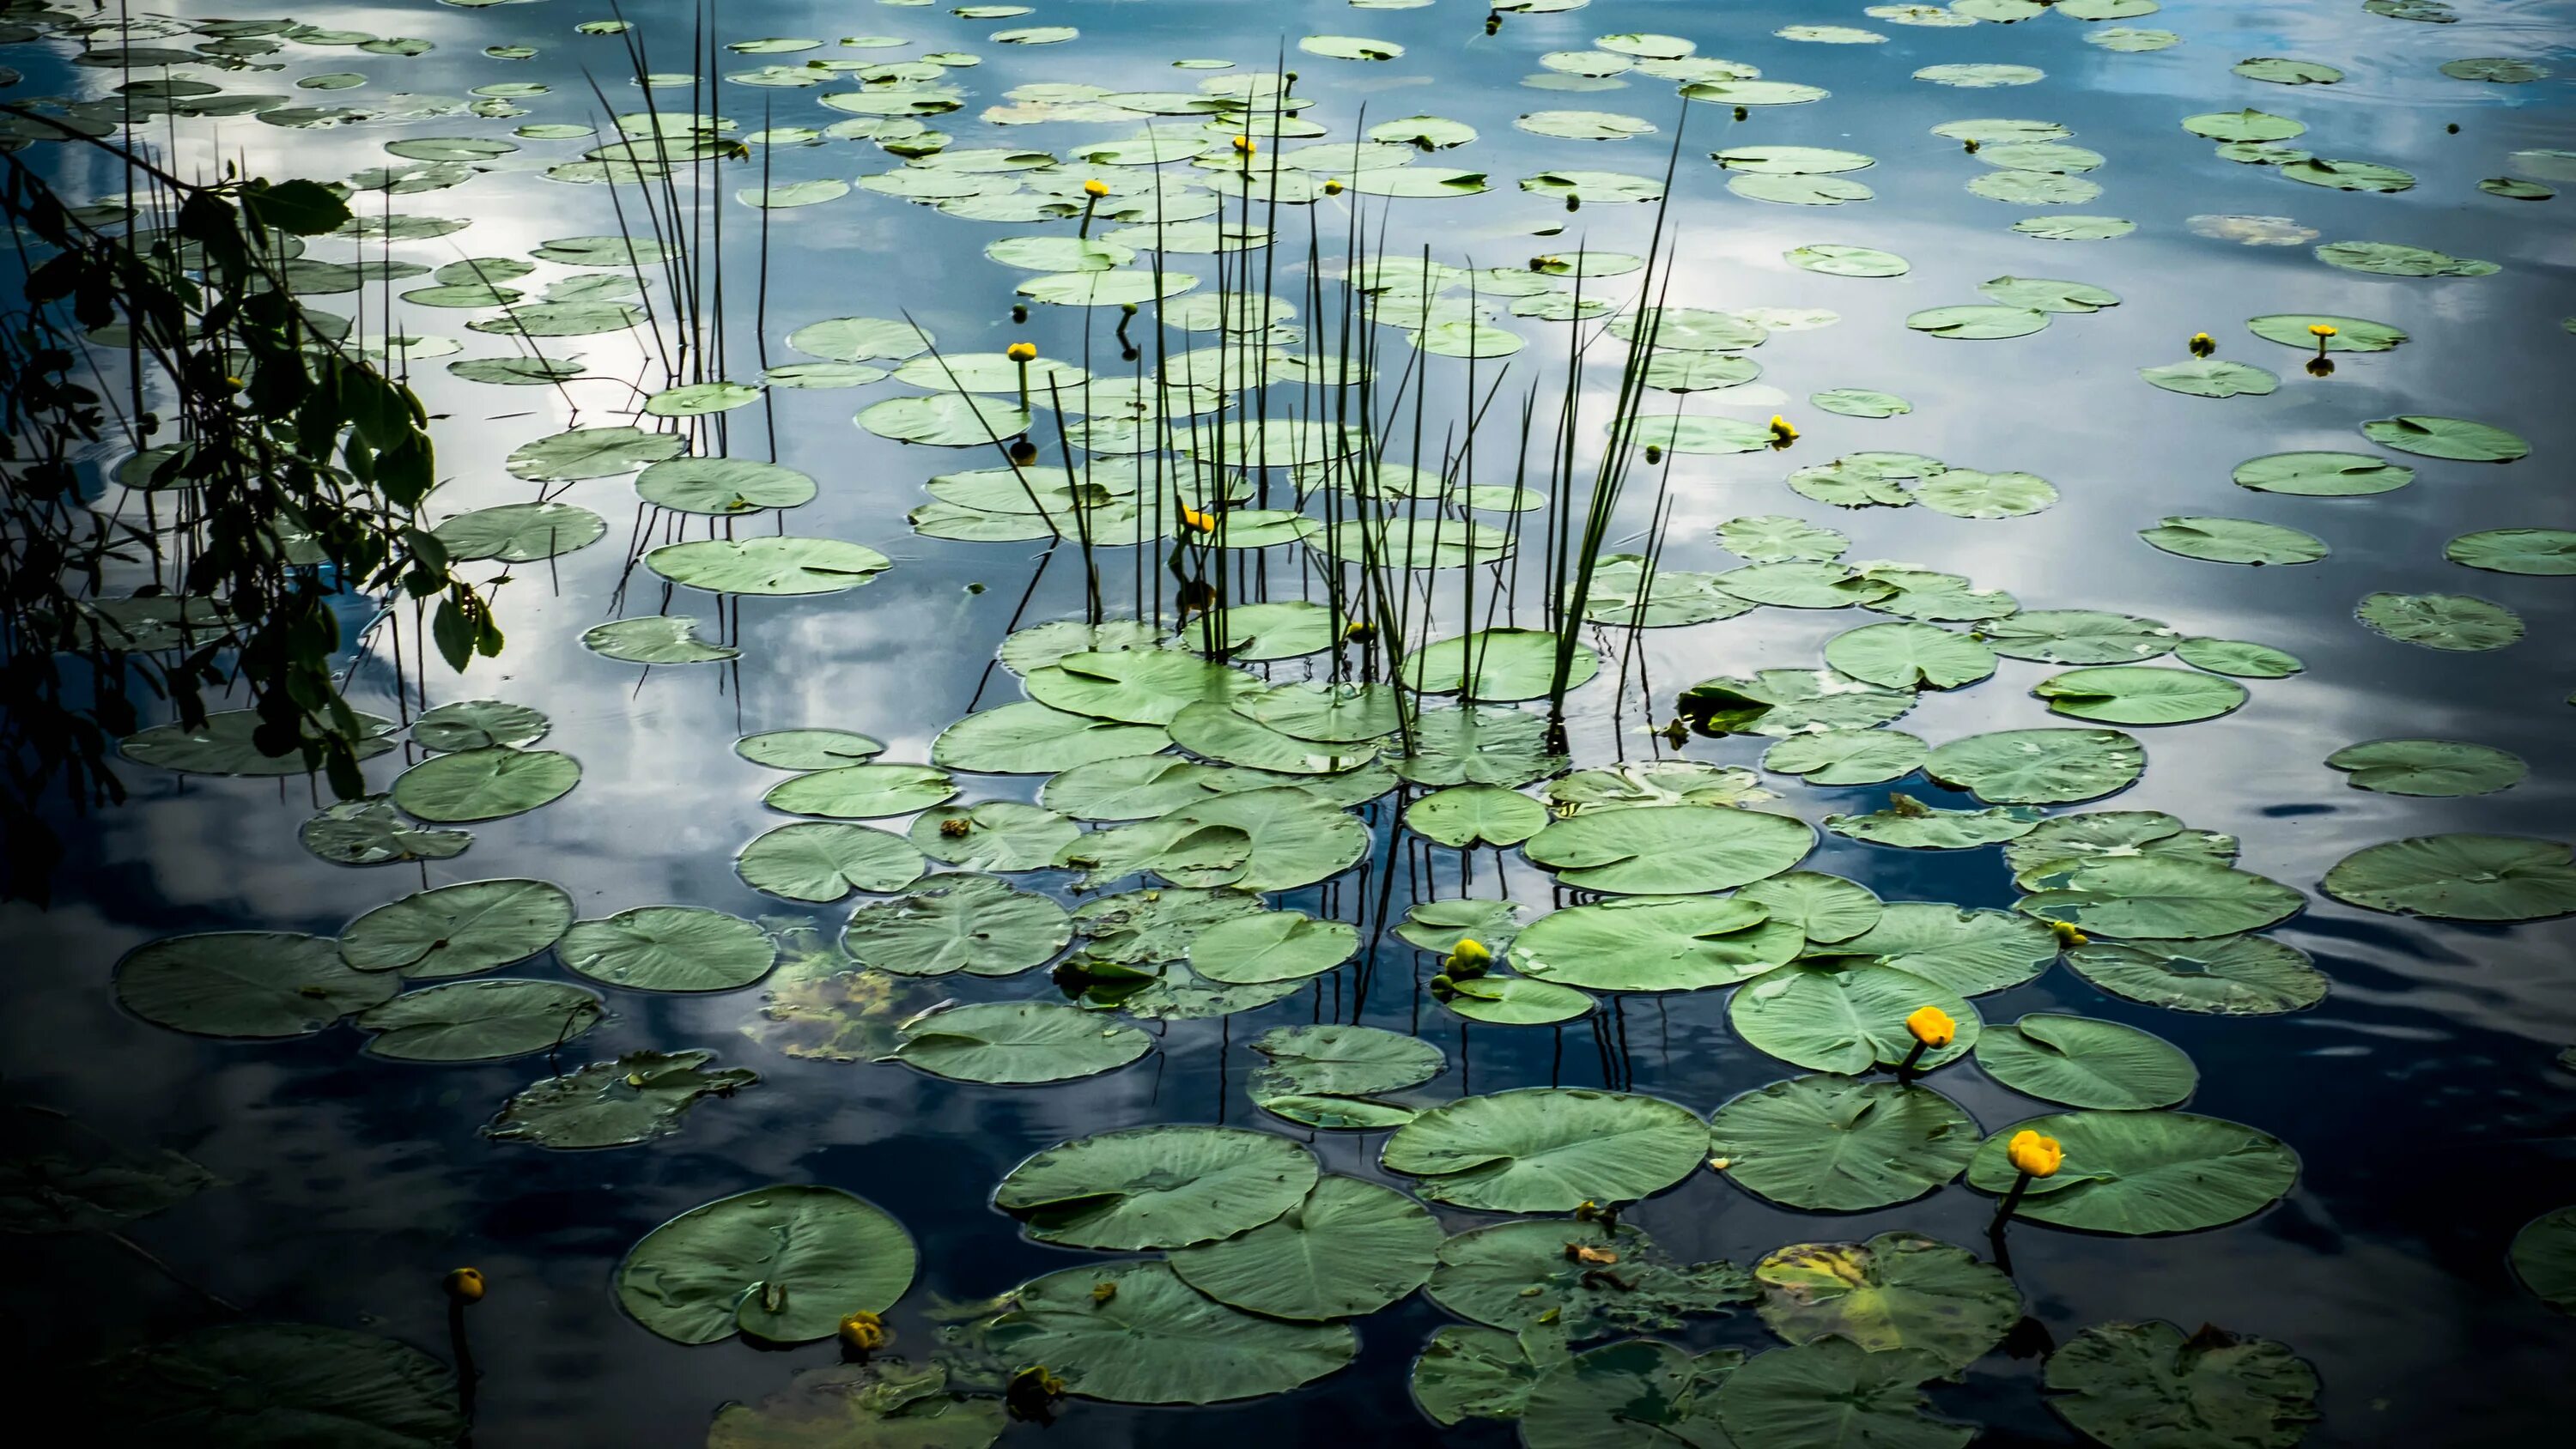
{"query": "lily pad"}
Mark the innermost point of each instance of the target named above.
(487, 784)
(1898, 1292)
(1150, 1338)
(1670, 850)
(1845, 1015)
(2147, 1386)
(1018, 1043)
(2143, 1172)
(1533, 1278)
(2039, 767)
(2443, 768)
(262, 984)
(1350, 1248)
(970, 923)
(636, 1098)
(774, 566)
(2458, 439)
(2548, 552)
(2082, 1062)
(458, 930)
(268, 1383)
(482, 1020)
(1837, 1144)
(669, 948)
(1546, 1149)
(1834, 1392)
(1654, 943)
(2228, 976)
(2458, 623)
(2234, 540)
(2459, 878)
(1157, 1187)
(2140, 695)
(779, 1264)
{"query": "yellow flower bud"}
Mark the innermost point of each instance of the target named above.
(2202, 344)
(1468, 958)
(864, 1333)
(1022, 352)
(2067, 935)
(1024, 452)
(1782, 434)
(465, 1285)
(1243, 146)
(2035, 1155)
(1359, 631)
(1197, 522)
(1332, 187)
(2320, 329)
(1932, 1027)
(1095, 188)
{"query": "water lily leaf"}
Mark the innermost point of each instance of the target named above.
(770, 566)
(1847, 757)
(1156, 1187)
(520, 532)
(779, 1264)
(1135, 686)
(994, 835)
(1800, 190)
(1479, 744)
(1496, 665)
(591, 453)
(1831, 1143)
(862, 792)
(2442, 768)
(860, 339)
(229, 744)
(1777, 538)
(2243, 125)
(655, 639)
(1028, 738)
(1978, 321)
(2048, 295)
(2348, 175)
(1837, 260)
(1466, 816)
(880, 1402)
(2544, 1257)
(1661, 943)
(1500, 999)
(2075, 228)
(1670, 850)
(263, 984)
(370, 831)
(1285, 629)
(2158, 898)
(1470, 1371)
(970, 923)
(2143, 1172)
(1339, 1064)
(822, 862)
(484, 784)
(1601, 186)
(2544, 551)
(1750, 92)
(1152, 1339)
(636, 1098)
(1780, 702)
(1860, 402)
(2238, 657)
(1271, 946)
(265, 1383)
(1520, 1277)
(477, 724)
(1825, 908)
(1910, 656)
(722, 487)
(2212, 377)
(1909, 824)
(1638, 1392)
(2460, 623)
(458, 930)
(2459, 878)
(2322, 475)
(2140, 695)
(2077, 636)
(2086, 1063)
(479, 1021)
(2039, 767)
(1018, 1043)
(2458, 439)
(2351, 334)
(1350, 1248)
(2230, 976)
(2234, 540)
(1844, 1015)
(2390, 259)
(807, 749)
(669, 948)
(1969, 952)
(1835, 1392)
(1546, 1149)
(1898, 1292)
(2146, 1386)
(1156, 925)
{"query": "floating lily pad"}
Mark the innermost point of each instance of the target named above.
(2459, 623)
(2544, 551)
(669, 948)
(2459, 878)
(2143, 1172)
(1018, 1043)
(1271, 946)
(2077, 636)
(2229, 976)
(2140, 695)
(229, 744)
(970, 923)
(2234, 540)
(2146, 1386)
(1826, 908)
(769, 566)
(1157, 1187)
(2459, 439)
(2156, 898)
(2039, 767)
(1910, 656)
(807, 749)
(1847, 757)
(2086, 1063)
(1898, 1292)
(1978, 322)
(2429, 767)
(1152, 1339)
(1546, 1149)
(1030, 738)
(2322, 475)
(370, 831)
(862, 792)
(2212, 377)
(655, 639)
(2544, 1257)
(636, 1098)
(482, 1020)
(779, 1264)
(1834, 1392)
(1655, 943)
(1845, 1015)
(1522, 1277)
(1835, 1144)
(1670, 850)
(262, 984)
(458, 930)
(486, 784)
(1350, 1248)
(880, 1401)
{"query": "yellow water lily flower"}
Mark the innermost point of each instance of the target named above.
(2321, 329)
(1243, 146)
(1021, 352)
(2034, 1155)
(864, 1333)
(2202, 344)
(1932, 1027)
(2067, 935)
(1359, 631)
(1468, 958)
(465, 1285)
(1095, 188)
(1782, 432)
(1197, 522)
(1332, 187)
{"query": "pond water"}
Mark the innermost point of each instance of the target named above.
(2422, 1096)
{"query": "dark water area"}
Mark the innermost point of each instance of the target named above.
(2423, 1096)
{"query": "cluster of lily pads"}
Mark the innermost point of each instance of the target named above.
(1197, 774)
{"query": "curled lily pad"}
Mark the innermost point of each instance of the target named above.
(1350, 1248)
(1898, 1292)
(780, 1264)
(636, 1098)
(1546, 1149)
(1018, 1043)
(2228, 976)
(1837, 1144)
(2147, 1386)
(1150, 1338)
(2429, 767)
(2459, 878)
(1157, 1187)
(2143, 1172)
(2086, 1063)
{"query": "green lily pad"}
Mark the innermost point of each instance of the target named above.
(669, 948)
(484, 784)
(1845, 1015)
(1638, 1392)
(2443, 768)
(2351, 334)
(1969, 952)
(1670, 850)
(1654, 943)
(722, 487)
(268, 1383)
(2390, 259)
(2543, 551)
(477, 724)
(2158, 898)
(2039, 767)
(2349, 175)
(2077, 636)
(2146, 1386)
(1271, 946)
(2229, 976)
(780, 1264)
(970, 923)
(1520, 1277)
(2212, 377)
(1910, 656)
(1978, 322)
(1350, 1248)
(994, 835)
(822, 862)
(1466, 816)
(263, 984)
(2234, 540)
(2086, 1063)
(808, 749)
(1033, 739)
(2458, 439)
(655, 639)
(1157, 1187)
(636, 1098)
(2459, 623)
(2459, 878)
(1847, 757)
(862, 792)
(1896, 1293)
(880, 1401)
(1909, 824)
(1546, 1149)
(1836, 1144)
(1018, 1043)
(229, 744)
(458, 930)
(482, 1020)
(2544, 1257)
(1152, 1339)
(1826, 908)
(773, 566)
(2143, 1172)
(2240, 658)
(1834, 1392)
(370, 831)
(2140, 695)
